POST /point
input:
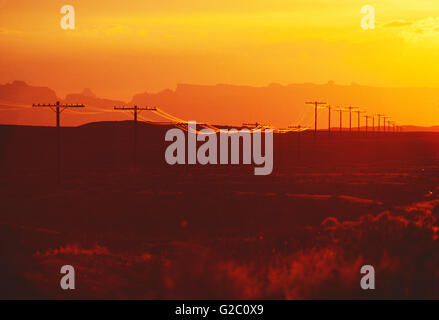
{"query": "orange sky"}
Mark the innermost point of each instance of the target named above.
(124, 47)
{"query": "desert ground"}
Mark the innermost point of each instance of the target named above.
(332, 204)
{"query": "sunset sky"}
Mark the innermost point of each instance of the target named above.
(124, 47)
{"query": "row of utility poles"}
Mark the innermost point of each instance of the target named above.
(58, 108)
(391, 125)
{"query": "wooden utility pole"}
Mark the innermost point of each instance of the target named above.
(359, 112)
(316, 105)
(136, 110)
(379, 118)
(350, 108)
(58, 108)
(340, 110)
(367, 119)
(384, 120)
(329, 120)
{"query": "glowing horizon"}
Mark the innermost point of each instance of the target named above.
(122, 48)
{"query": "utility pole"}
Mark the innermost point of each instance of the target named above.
(350, 108)
(384, 120)
(359, 112)
(390, 125)
(58, 108)
(316, 106)
(379, 117)
(136, 110)
(367, 119)
(329, 120)
(340, 110)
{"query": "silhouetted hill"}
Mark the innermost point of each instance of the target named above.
(21, 92)
(109, 145)
(409, 128)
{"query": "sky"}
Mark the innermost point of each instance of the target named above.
(120, 48)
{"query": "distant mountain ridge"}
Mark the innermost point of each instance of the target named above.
(284, 105)
(21, 92)
(275, 104)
